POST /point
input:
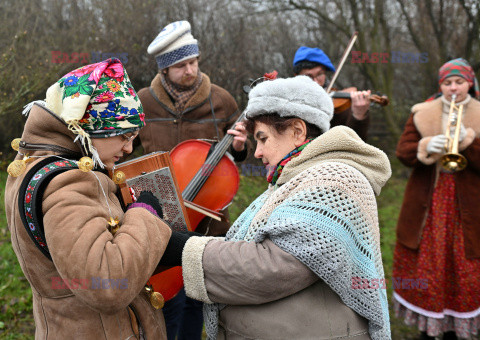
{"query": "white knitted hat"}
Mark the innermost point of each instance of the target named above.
(299, 97)
(174, 44)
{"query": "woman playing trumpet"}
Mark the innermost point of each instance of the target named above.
(436, 270)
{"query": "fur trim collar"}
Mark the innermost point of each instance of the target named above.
(428, 117)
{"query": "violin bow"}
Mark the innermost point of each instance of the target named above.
(207, 212)
(342, 60)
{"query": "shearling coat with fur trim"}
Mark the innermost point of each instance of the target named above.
(75, 215)
(423, 124)
(166, 128)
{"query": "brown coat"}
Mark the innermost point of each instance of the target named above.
(166, 128)
(346, 118)
(304, 306)
(424, 123)
(75, 221)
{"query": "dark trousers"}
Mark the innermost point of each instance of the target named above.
(183, 317)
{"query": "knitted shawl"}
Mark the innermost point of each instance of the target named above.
(326, 216)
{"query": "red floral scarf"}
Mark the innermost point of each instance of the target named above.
(273, 177)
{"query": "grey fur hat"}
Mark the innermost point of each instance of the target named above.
(299, 97)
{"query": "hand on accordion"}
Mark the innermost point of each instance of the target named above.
(148, 201)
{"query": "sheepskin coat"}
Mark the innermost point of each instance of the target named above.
(165, 127)
(424, 123)
(68, 300)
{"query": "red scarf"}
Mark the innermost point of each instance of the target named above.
(273, 177)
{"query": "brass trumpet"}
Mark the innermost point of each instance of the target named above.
(452, 161)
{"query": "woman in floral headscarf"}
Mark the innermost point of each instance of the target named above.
(86, 260)
(436, 270)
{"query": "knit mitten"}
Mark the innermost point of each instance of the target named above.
(173, 253)
(148, 201)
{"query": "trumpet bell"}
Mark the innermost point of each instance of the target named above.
(453, 162)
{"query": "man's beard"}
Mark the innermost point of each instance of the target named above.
(188, 81)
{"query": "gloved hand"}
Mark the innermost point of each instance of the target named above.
(148, 201)
(437, 144)
(173, 253)
(462, 134)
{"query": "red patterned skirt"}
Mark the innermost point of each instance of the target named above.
(436, 288)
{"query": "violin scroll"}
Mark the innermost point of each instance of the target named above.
(267, 76)
(380, 99)
(342, 100)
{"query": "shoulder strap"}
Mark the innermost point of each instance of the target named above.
(31, 195)
(213, 114)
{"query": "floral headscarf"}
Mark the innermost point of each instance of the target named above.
(96, 101)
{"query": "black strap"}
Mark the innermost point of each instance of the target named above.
(36, 199)
(214, 118)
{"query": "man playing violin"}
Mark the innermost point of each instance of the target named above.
(313, 62)
(180, 104)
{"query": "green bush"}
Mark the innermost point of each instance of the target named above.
(16, 319)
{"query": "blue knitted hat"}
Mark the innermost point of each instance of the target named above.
(314, 55)
(174, 44)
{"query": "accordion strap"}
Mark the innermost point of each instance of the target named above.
(31, 196)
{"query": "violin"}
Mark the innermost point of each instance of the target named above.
(342, 100)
